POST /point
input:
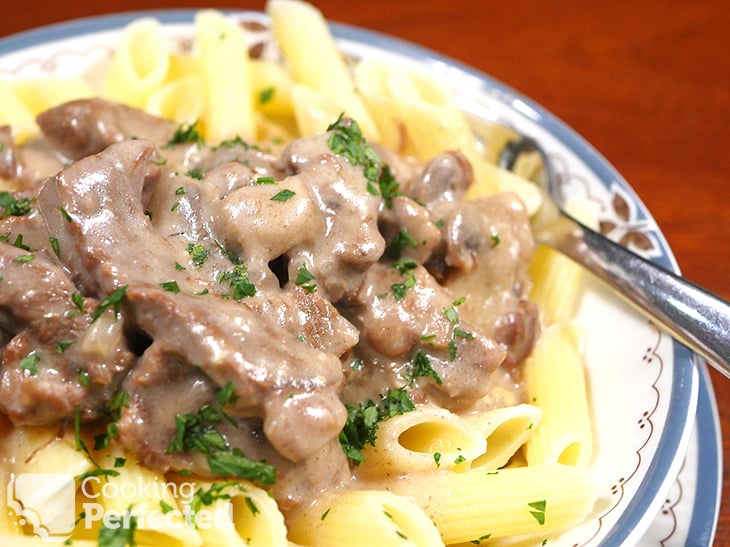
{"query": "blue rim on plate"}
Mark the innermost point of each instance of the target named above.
(706, 508)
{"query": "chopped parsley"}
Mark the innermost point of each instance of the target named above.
(402, 239)
(30, 363)
(84, 379)
(238, 279)
(13, 206)
(180, 191)
(113, 300)
(324, 515)
(461, 333)
(265, 180)
(453, 349)
(226, 395)
(19, 243)
(118, 530)
(265, 95)
(495, 240)
(348, 141)
(196, 174)
(198, 432)
(439, 223)
(24, 258)
(170, 286)
(217, 491)
(437, 458)
(235, 141)
(480, 539)
(452, 315)
(179, 267)
(114, 408)
(304, 276)
(400, 289)
(539, 510)
(198, 254)
(62, 346)
(459, 459)
(284, 195)
(362, 422)
(55, 245)
(165, 507)
(185, 133)
(78, 301)
(420, 367)
(64, 214)
(405, 266)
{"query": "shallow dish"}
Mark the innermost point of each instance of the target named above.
(643, 385)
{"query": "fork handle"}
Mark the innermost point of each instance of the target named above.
(692, 315)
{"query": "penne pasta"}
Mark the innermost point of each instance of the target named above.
(505, 430)
(314, 60)
(555, 381)
(15, 113)
(226, 80)
(556, 285)
(520, 500)
(245, 515)
(43, 94)
(146, 494)
(180, 100)
(424, 440)
(140, 63)
(364, 518)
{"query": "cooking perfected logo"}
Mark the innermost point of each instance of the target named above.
(45, 502)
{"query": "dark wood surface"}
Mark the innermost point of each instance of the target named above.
(647, 83)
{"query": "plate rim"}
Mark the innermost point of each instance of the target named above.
(686, 381)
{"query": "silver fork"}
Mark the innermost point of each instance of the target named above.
(697, 318)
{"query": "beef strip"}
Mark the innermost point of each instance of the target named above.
(292, 386)
(342, 239)
(94, 208)
(394, 330)
(162, 386)
(406, 214)
(79, 363)
(87, 126)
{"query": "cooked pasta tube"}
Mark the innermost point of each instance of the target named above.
(15, 113)
(424, 440)
(271, 88)
(43, 94)
(556, 285)
(364, 518)
(226, 79)
(139, 65)
(519, 500)
(179, 100)
(555, 381)
(314, 60)
(146, 494)
(505, 430)
(40, 466)
(242, 514)
(313, 112)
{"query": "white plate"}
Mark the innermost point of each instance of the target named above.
(643, 385)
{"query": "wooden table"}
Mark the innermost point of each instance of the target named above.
(647, 83)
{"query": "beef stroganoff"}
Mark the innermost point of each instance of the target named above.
(298, 288)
